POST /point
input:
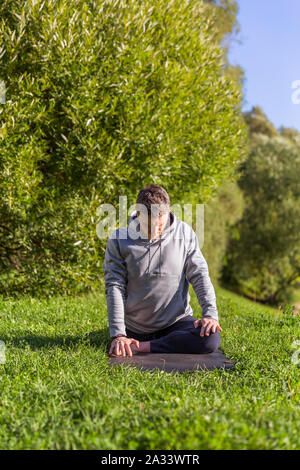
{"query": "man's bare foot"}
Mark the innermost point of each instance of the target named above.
(134, 349)
(144, 347)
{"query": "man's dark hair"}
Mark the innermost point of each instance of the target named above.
(153, 194)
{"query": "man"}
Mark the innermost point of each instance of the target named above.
(148, 267)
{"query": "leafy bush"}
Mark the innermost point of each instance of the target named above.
(220, 214)
(102, 97)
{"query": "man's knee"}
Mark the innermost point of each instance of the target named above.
(212, 342)
(188, 341)
(206, 344)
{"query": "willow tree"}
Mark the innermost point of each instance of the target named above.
(101, 97)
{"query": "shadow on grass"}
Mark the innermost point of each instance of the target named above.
(95, 338)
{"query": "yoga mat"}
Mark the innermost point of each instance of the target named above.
(174, 362)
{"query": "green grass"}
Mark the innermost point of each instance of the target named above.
(58, 392)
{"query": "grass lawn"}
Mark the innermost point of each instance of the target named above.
(58, 392)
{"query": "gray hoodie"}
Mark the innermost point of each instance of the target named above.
(147, 281)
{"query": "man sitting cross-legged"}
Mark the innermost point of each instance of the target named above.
(148, 267)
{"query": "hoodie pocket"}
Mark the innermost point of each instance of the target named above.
(152, 292)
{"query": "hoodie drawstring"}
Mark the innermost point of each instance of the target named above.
(153, 255)
(160, 257)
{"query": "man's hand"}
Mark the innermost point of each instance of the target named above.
(207, 325)
(121, 345)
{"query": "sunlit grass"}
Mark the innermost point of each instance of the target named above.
(58, 391)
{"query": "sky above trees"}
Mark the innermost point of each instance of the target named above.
(269, 54)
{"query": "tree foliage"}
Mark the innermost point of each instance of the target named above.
(220, 214)
(102, 97)
(263, 256)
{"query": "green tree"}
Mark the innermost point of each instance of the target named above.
(220, 214)
(258, 123)
(226, 205)
(290, 133)
(263, 256)
(103, 96)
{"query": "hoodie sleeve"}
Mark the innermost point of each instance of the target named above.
(196, 271)
(115, 277)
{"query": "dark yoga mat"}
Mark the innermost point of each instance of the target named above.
(175, 362)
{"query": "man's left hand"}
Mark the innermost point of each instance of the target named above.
(208, 325)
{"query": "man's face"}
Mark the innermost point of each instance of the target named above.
(153, 226)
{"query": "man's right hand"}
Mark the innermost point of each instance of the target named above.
(121, 345)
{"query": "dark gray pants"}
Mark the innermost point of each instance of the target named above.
(181, 337)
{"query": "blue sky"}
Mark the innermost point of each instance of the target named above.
(270, 56)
